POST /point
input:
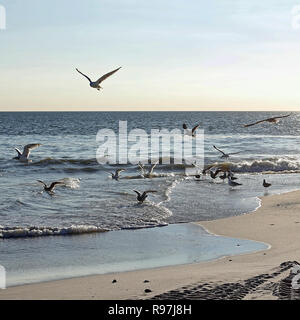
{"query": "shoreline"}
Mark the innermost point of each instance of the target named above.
(276, 223)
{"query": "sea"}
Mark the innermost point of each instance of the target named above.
(84, 224)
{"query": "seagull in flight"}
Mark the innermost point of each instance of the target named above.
(188, 132)
(142, 197)
(150, 171)
(96, 84)
(116, 175)
(51, 187)
(225, 155)
(26, 152)
(271, 120)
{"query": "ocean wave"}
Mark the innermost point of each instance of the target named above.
(30, 232)
(266, 165)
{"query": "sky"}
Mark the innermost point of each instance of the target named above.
(174, 54)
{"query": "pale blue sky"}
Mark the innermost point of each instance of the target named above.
(213, 54)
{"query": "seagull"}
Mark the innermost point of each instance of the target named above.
(142, 197)
(26, 152)
(116, 175)
(189, 132)
(233, 183)
(225, 155)
(51, 187)
(271, 120)
(232, 177)
(214, 174)
(223, 177)
(150, 171)
(266, 184)
(96, 84)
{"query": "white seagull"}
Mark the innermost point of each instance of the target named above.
(150, 171)
(96, 84)
(188, 132)
(26, 152)
(225, 155)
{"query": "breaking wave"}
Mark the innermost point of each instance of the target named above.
(266, 165)
(29, 232)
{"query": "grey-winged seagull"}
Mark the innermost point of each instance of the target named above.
(96, 84)
(26, 152)
(271, 120)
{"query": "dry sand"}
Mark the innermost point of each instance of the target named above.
(261, 275)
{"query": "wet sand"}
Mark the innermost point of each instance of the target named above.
(260, 275)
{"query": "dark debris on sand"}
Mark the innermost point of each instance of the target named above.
(275, 283)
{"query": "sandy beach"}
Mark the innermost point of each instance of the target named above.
(260, 275)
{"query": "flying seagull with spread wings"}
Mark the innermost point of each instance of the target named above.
(271, 120)
(26, 152)
(142, 197)
(150, 171)
(225, 155)
(51, 187)
(191, 133)
(116, 175)
(96, 84)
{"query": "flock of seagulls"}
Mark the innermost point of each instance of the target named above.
(141, 197)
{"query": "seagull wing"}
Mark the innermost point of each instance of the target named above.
(28, 148)
(220, 150)
(107, 75)
(141, 166)
(137, 193)
(152, 167)
(119, 171)
(195, 128)
(279, 117)
(43, 183)
(254, 123)
(19, 152)
(84, 75)
(54, 184)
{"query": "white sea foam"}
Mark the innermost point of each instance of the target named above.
(24, 232)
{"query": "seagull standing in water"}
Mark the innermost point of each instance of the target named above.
(142, 197)
(233, 183)
(223, 177)
(188, 132)
(116, 175)
(266, 184)
(51, 187)
(225, 155)
(96, 84)
(26, 152)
